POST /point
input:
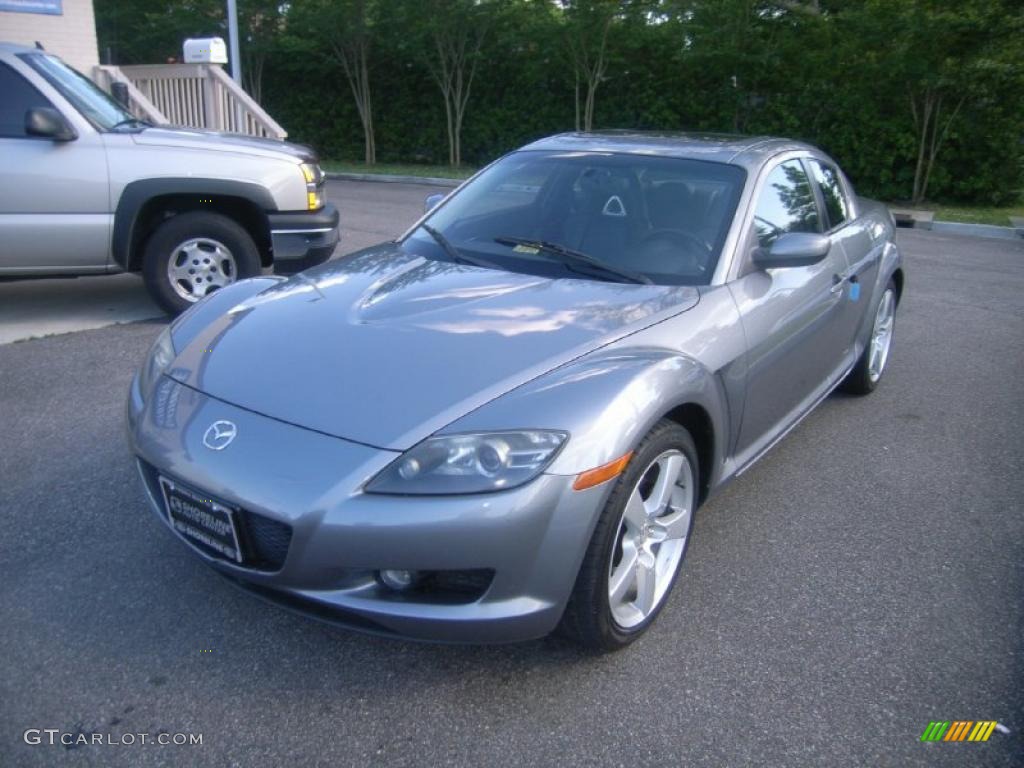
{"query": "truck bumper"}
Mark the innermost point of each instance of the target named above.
(301, 240)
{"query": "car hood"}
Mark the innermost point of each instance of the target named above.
(385, 348)
(194, 138)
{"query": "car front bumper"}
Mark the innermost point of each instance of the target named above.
(303, 239)
(529, 540)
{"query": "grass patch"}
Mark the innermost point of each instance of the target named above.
(979, 215)
(399, 169)
(972, 214)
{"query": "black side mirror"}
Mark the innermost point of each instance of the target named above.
(794, 249)
(48, 123)
(119, 91)
(433, 201)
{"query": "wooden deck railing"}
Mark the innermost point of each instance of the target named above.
(138, 104)
(198, 96)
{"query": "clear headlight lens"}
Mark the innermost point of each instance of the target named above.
(477, 463)
(159, 359)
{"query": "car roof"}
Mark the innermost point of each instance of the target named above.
(747, 151)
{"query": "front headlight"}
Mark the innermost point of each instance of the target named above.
(159, 359)
(314, 178)
(477, 463)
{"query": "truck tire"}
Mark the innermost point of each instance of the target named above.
(193, 254)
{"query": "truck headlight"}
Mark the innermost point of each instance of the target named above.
(159, 359)
(314, 177)
(474, 463)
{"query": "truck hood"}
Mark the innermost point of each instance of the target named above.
(195, 138)
(385, 347)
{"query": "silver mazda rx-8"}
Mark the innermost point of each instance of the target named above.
(503, 422)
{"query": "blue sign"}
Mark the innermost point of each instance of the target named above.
(51, 7)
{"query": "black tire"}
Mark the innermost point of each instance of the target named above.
(588, 619)
(161, 247)
(859, 380)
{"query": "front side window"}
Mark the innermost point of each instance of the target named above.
(837, 208)
(662, 218)
(786, 204)
(95, 105)
(17, 96)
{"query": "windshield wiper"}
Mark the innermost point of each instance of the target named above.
(131, 121)
(576, 260)
(454, 253)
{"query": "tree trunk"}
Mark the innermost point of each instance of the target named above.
(923, 120)
(577, 100)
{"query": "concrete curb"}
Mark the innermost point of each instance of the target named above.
(976, 230)
(394, 179)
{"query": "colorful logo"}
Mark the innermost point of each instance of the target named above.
(958, 730)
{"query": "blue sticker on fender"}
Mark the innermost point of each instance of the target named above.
(854, 291)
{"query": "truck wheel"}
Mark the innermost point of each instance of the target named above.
(192, 255)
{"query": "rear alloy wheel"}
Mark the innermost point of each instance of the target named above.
(638, 546)
(194, 254)
(871, 365)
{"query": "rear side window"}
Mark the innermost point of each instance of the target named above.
(17, 96)
(837, 207)
(786, 204)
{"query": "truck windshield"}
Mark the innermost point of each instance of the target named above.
(97, 107)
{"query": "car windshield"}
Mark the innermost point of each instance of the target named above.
(623, 217)
(97, 107)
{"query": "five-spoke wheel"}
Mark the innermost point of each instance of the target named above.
(637, 549)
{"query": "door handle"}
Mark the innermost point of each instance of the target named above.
(837, 283)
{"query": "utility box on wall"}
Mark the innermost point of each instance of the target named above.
(205, 50)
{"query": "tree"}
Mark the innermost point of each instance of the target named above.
(587, 24)
(943, 56)
(260, 23)
(456, 33)
(346, 28)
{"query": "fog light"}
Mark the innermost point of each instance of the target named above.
(398, 580)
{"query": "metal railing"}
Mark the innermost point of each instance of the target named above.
(196, 96)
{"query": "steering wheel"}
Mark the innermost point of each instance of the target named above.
(692, 254)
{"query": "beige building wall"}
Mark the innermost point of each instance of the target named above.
(72, 35)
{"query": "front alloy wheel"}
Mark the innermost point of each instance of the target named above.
(651, 539)
(637, 548)
(191, 255)
(198, 266)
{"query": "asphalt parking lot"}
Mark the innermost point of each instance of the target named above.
(863, 579)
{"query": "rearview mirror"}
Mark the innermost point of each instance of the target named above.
(48, 123)
(120, 93)
(432, 201)
(794, 249)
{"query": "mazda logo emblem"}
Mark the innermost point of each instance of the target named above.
(219, 435)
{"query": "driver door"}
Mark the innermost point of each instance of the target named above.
(791, 316)
(54, 200)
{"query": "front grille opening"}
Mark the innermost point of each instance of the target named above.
(263, 540)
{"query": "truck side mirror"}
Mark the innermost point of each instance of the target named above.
(48, 123)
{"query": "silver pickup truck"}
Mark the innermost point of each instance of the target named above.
(86, 188)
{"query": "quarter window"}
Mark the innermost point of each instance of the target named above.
(836, 206)
(786, 204)
(17, 96)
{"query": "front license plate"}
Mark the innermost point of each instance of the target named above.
(202, 520)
